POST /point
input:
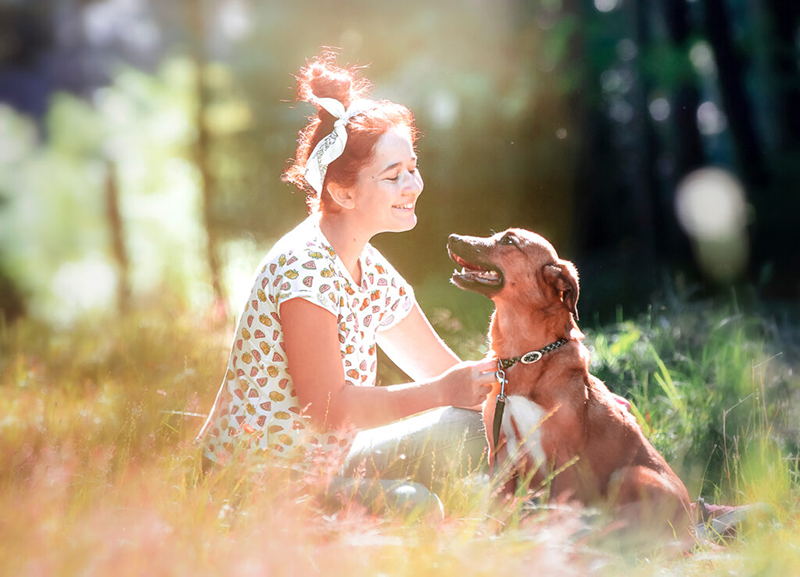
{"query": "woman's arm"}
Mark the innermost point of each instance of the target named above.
(414, 346)
(312, 349)
(417, 349)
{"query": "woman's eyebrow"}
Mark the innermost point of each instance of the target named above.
(396, 164)
(390, 167)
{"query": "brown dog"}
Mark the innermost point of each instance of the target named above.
(559, 419)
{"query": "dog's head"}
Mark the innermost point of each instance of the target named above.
(516, 266)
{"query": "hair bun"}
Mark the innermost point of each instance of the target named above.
(322, 78)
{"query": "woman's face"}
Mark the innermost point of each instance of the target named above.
(387, 189)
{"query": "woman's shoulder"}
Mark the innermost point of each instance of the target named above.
(298, 265)
(302, 242)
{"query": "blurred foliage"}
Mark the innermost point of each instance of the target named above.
(54, 229)
(573, 118)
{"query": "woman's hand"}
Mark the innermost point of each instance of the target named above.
(468, 383)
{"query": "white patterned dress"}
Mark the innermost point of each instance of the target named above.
(257, 404)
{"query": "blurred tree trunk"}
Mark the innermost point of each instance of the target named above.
(777, 240)
(730, 68)
(686, 142)
(644, 150)
(536, 132)
(592, 186)
(117, 237)
(690, 154)
(785, 18)
(196, 15)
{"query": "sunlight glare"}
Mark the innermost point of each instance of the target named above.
(443, 107)
(83, 286)
(240, 257)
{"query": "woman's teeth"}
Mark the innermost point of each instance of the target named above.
(408, 206)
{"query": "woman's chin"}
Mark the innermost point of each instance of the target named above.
(408, 224)
(401, 223)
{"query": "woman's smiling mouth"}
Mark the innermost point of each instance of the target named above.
(408, 206)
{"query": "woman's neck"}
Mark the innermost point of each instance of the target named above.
(346, 239)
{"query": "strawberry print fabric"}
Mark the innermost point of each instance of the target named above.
(257, 405)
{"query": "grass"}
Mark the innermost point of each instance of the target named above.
(99, 475)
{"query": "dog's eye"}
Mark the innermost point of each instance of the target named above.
(507, 239)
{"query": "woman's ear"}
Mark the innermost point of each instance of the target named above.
(342, 196)
(563, 277)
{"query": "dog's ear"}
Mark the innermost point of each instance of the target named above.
(563, 277)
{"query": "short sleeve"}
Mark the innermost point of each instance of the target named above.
(399, 294)
(306, 274)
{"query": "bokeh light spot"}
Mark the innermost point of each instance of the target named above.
(627, 49)
(711, 208)
(710, 204)
(607, 5)
(710, 119)
(702, 58)
(621, 111)
(659, 109)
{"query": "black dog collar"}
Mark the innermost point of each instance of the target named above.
(532, 356)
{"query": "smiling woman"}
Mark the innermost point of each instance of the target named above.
(299, 381)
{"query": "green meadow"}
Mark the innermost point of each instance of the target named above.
(99, 474)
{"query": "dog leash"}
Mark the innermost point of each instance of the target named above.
(500, 374)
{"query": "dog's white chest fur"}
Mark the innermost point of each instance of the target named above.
(521, 421)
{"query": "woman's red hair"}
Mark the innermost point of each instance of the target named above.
(322, 78)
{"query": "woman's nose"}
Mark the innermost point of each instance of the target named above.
(414, 184)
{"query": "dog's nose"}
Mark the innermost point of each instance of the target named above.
(454, 238)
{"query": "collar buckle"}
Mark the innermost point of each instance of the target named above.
(531, 357)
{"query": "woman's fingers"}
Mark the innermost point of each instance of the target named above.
(486, 378)
(622, 401)
(484, 366)
(472, 382)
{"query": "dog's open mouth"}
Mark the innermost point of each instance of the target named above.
(473, 276)
(472, 272)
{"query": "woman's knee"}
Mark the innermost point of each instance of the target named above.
(414, 498)
(382, 496)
